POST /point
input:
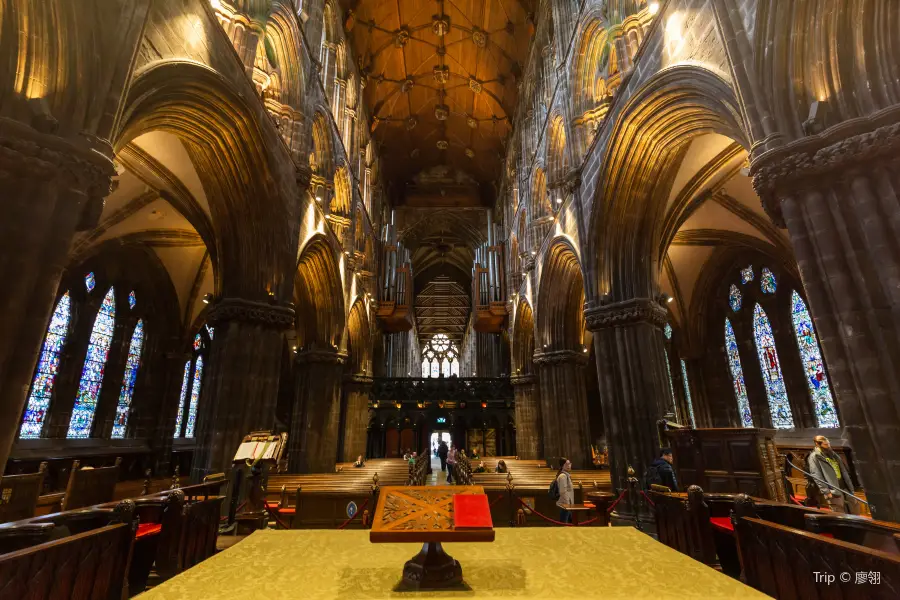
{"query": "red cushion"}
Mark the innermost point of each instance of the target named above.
(589, 505)
(287, 511)
(828, 535)
(147, 529)
(722, 524)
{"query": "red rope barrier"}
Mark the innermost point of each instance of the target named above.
(274, 514)
(554, 521)
(612, 506)
(647, 498)
(496, 500)
(358, 512)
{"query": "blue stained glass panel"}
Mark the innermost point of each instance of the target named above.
(131, 371)
(184, 390)
(779, 407)
(687, 392)
(211, 331)
(816, 380)
(90, 282)
(132, 299)
(671, 385)
(47, 368)
(747, 274)
(93, 370)
(198, 342)
(195, 398)
(667, 331)
(737, 376)
(767, 281)
(734, 298)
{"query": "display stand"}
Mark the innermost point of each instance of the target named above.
(258, 451)
(424, 514)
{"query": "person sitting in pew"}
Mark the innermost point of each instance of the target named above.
(501, 466)
(828, 466)
(480, 468)
(660, 471)
(360, 462)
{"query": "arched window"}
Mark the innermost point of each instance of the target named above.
(47, 368)
(737, 376)
(776, 392)
(667, 331)
(191, 385)
(811, 356)
(94, 366)
(131, 371)
(184, 389)
(687, 392)
(734, 298)
(440, 357)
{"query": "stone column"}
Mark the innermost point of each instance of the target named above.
(528, 417)
(49, 188)
(161, 424)
(315, 419)
(563, 401)
(240, 387)
(838, 193)
(634, 387)
(356, 416)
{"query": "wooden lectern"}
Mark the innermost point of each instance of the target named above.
(258, 451)
(425, 514)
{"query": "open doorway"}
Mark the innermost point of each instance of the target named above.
(436, 438)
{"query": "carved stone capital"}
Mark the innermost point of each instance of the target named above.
(560, 357)
(628, 312)
(572, 181)
(516, 380)
(247, 311)
(527, 261)
(303, 176)
(27, 153)
(817, 160)
(359, 382)
(328, 357)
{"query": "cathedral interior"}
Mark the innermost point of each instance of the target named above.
(538, 229)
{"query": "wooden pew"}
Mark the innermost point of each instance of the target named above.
(158, 538)
(24, 535)
(200, 529)
(19, 494)
(877, 535)
(88, 564)
(788, 563)
(90, 486)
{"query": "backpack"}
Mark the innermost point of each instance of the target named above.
(554, 490)
(652, 476)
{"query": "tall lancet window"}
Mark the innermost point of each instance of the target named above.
(47, 368)
(814, 367)
(776, 392)
(185, 382)
(94, 367)
(131, 370)
(737, 376)
(687, 392)
(667, 331)
(195, 398)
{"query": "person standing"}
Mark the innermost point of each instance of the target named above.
(566, 489)
(828, 466)
(660, 471)
(442, 454)
(451, 462)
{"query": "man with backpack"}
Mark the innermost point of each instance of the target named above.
(660, 471)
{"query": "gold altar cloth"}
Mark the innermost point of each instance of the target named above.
(533, 562)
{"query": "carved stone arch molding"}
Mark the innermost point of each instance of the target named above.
(319, 298)
(242, 162)
(559, 310)
(522, 351)
(641, 157)
(359, 340)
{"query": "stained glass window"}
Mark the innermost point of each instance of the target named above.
(435, 369)
(747, 274)
(198, 342)
(195, 398)
(737, 376)
(767, 281)
(131, 371)
(211, 331)
(811, 356)
(776, 393)
(667, 331)
(94, 367)
(445, 368)
(132, 299)
(184, 390)
(687, 392)
(90, 281)
(734, 298)
(454, 368)
(669, 373)
(47, 368)
(440, 357)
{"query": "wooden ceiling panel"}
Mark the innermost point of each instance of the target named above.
(441, 81)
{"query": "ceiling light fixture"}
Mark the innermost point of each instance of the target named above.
(207, 298)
